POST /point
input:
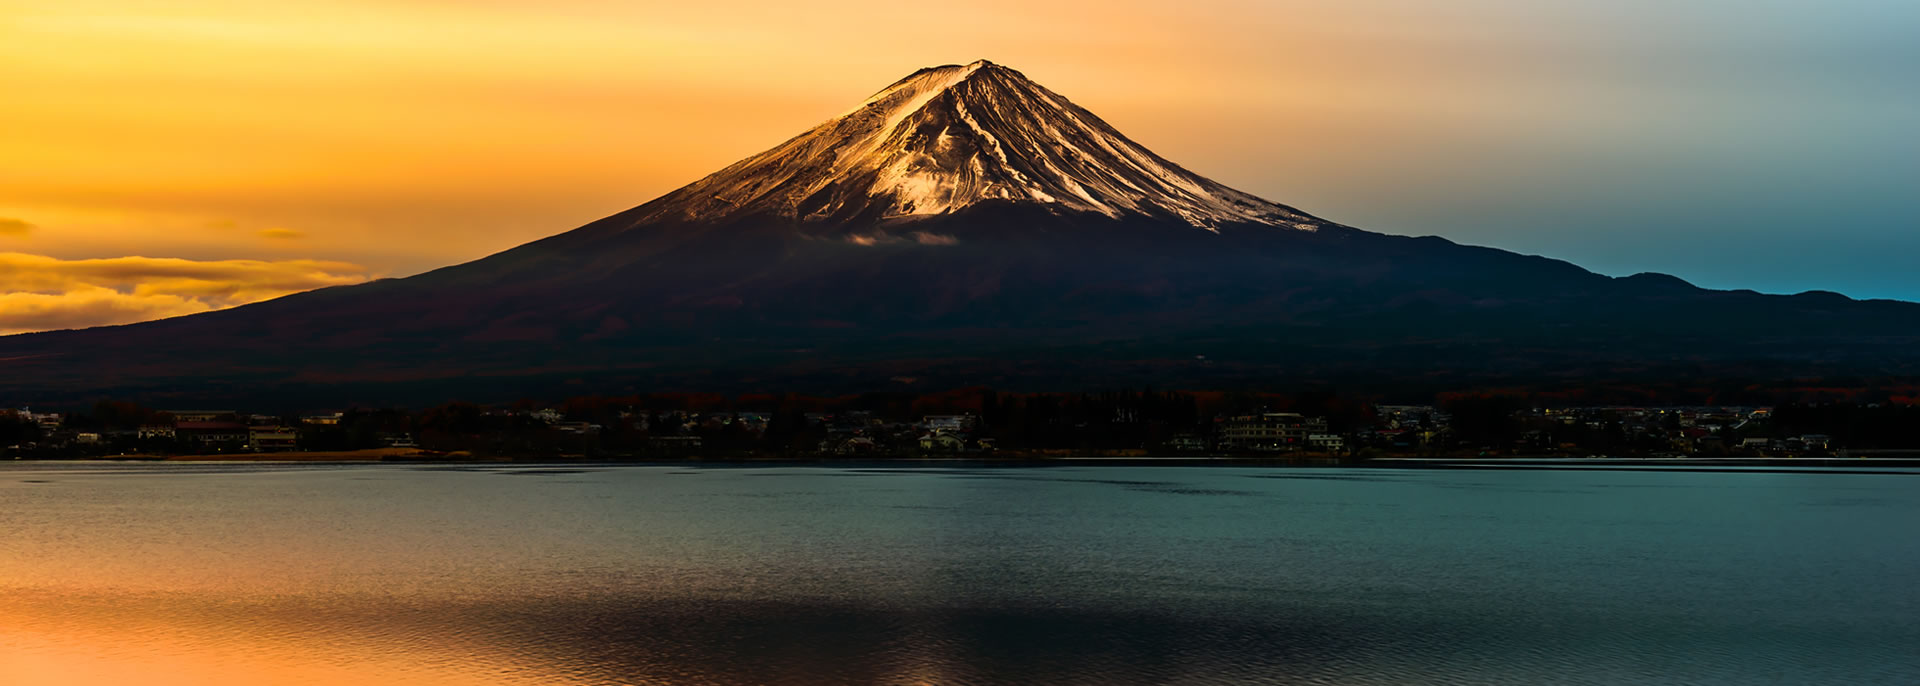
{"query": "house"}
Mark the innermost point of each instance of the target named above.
(202, 415)
(850, 446)
(155, 432)
(1326, 443)
(942, 443)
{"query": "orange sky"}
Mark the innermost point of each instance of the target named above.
(386, 137)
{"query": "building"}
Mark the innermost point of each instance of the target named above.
(1187, 443)
(212, 433)
(155, 432)
(677, 445)
(947, 422)
(1268, 432)
(1410, 416)
(270, 439)
(1326, 443)
(576, 427)
(202, 415)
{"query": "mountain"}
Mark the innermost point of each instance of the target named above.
(950, 138)
(965, 225)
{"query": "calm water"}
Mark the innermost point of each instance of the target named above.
(185, 574)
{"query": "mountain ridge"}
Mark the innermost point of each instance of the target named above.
(965, 225)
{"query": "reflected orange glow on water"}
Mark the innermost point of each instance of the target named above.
(220, 575)
(34, 659)
(50, 639)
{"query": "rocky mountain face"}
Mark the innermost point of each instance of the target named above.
(949, 138)
(968, 226)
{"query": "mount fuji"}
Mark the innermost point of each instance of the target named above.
(965, 225)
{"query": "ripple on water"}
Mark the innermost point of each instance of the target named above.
(449, 576)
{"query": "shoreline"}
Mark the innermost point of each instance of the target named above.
(1795, 465)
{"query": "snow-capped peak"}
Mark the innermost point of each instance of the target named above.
(909, 94)
(948, 137)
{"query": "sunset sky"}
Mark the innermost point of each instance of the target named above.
(264, 148)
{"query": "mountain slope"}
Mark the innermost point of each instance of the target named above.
(965, 225)
(948, 138)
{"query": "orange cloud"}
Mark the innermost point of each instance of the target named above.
(10, 226)
(39, 293)
(282, 233)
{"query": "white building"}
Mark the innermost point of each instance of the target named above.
(1326, 443)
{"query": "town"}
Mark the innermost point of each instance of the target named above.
(970, 423)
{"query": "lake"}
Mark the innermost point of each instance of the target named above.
(200, 574)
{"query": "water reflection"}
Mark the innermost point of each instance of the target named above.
(338, 640)
(363, 575)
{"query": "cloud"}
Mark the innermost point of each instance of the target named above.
(883, 238)
(10, 226)
(39, 293)
(282, 233)
(81, 308)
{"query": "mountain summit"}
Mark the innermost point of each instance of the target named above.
(965, 225)
(947, 138)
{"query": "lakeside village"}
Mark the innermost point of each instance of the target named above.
(979, 424)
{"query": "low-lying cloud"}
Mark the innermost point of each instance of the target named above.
(41, 293)
(13, 226)
(884, 238)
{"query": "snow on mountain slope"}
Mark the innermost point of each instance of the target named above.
(948, 137)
